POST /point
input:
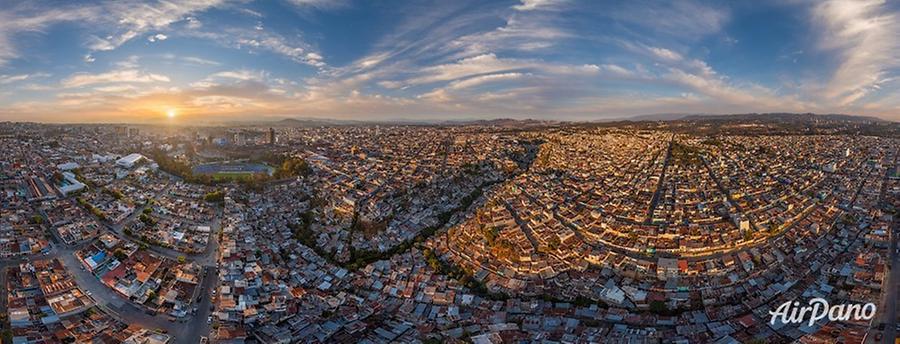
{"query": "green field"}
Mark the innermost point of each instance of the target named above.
(233, 175)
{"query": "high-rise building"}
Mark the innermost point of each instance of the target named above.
(270, 137)
(239, 138)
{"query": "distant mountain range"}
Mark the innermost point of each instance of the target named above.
(779, 117)
(763, 117)
(311, 122)
(504, 122)
(318, 122)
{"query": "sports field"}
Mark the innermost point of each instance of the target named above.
(221, 171)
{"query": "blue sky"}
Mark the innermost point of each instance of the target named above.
(137, 61)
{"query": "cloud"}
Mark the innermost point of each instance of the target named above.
(22, 18)
(666, 54)
(192, 23)
(133, 18)
(481, 64)
(318, 4)
(157, 37)
(116, 76)
(200, 61)
(684, 19)
(279, 45)
(483, 79)
(8, 79)
(864, 34)
(521, 33)
(294, 47)
(531, 5)
(120, 21)
(243, 74)
(116, 88)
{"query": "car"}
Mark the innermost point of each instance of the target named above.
(209, 320)
(204, 340)
(89, 293)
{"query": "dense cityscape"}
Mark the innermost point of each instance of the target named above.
(480, 232)
(449, 172)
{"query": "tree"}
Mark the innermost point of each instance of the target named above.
(658, 307)
(181, 259)
(293, 167)
(114, 193)
(553, 242)
(490, 235)
(147, 220)
(217, 196)
(7, 336)
(57, 177)
(120, 255)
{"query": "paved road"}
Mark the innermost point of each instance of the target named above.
(198, 326)
(659, 184)
(891, 293)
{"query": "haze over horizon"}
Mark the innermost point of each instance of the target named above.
(213, 60)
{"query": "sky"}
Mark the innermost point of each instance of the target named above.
(217, 60)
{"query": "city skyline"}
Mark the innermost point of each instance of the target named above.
(212, 60)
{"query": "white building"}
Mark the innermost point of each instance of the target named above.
(73, 185)
(68, 166)
(129, 160)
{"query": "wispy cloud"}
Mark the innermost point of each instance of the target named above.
(17, 19)
(319, 4)
(531, 5)
(116, 76)
(687, 19)
(134, 18)
(8, 79)
(864, 32)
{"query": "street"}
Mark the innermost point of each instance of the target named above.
(891, 293)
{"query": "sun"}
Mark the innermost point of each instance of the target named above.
(171, 113)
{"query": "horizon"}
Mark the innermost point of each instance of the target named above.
(275, 121)
(205, 61)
